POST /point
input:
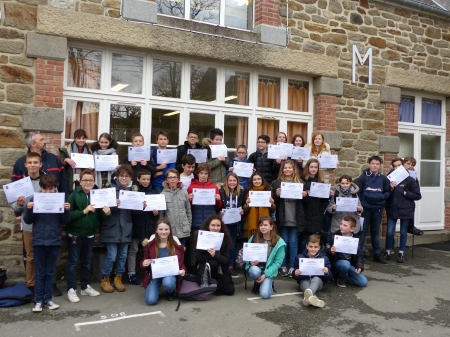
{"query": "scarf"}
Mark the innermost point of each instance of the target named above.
(102, 178)
(255, 213)
(345, 192)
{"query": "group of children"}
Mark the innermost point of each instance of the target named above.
(300, 222)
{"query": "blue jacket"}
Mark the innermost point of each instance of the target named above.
(274, 260)
(321, 255)
(242, 181)
(158, 181)
(400, 205)
(372, 191)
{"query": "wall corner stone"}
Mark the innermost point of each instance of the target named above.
(46, 46)
(142, 11)
(44, 119)
(328, 86)
(390, 94)
(389, 144)
(271, 34)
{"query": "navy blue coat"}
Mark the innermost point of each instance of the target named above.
(320, 255)
(373, 190)
(400, 205)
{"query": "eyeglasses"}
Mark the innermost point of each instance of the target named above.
(88, 181)
(124, 176)
(171, 178)
(241, 152)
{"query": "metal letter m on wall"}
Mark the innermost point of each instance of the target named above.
(361, 61)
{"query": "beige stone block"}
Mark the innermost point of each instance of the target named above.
(13, 74)
(10, 138)
(111, 4)
(20, 60)
(91, 8)
(433, 33)
(6, 120)
(18, 93)
(9, 157)
(11, 47)
(6, 33)
(20, 16)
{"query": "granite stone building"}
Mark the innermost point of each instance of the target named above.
(373, 75)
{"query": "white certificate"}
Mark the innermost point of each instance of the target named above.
(413, 174)
(204, 196)
(138, 153)
(242, 169)
(287, 148)
(131, 200)
(218, 150)
(260, 198)
(320, 190)
(255, 252)
(301, 152)
(103, 197)
(207, 239)
(166, 156)
(83, 160)
(231, 215)
(165, 266)
(327, 160)
(48, 203)
(346, 244)
(346, 204)
(291, 191)
(398, 175)
(106, 162)
(199, 154)
(155, 201)
(311, 266)
(19, 188)
(186, 181)
(275, 152)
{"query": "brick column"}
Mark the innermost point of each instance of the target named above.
(267, 12)
(390, 129)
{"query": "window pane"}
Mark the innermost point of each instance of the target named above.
(203, 83)
(172, 8)
(431, 112)
(430, 174)
(126, 74)
(406, 109)
(430, 147)
(239, 14)
(205, 10)
(168, 121)
(269, 92)
(236, 131)
(236, 87)
(269, 127)
(84, 70)
(298, 95)
(203, 123)
(125, 120)
(166, 78)
(82, 115)
(406, 145)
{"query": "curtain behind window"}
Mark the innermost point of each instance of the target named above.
(406, 110)
(431, 112)
(269, 93)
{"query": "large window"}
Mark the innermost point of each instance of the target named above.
(420, 110)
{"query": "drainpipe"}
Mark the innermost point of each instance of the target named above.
(420, 6)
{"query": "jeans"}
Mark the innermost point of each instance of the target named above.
(131, 260)
(157, 189)
(79, 249)
(289, 235)
(113, 251)
(152, 292)
(372, 218)
(303, 239)
(232, 229)
(346, 271)
(45, 258)
(391, 231)
(265, 289)
(315, 284)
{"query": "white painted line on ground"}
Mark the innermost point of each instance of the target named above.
(253, 299)
(77, 325)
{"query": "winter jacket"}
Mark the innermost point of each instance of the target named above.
(143, 222)
(274, 260)
(158, 181)
(401, 206)
(326, 150)
(237, 201)
(46, 226)
(118, 228)
(267, 167)
(178, 210)
(373, 189)
(280, 208)
(320, 255)
(201, 212)
(138, 167)
(81, 224)
(314, 209)
(338, 216)
(242, 180)
(70, 171)
(218, 168)
(150, 253)
(182, 150)
(356, 260)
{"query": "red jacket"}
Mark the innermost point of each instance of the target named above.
(201, 212)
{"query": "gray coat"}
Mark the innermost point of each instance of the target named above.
(178, 210)
(338, 216)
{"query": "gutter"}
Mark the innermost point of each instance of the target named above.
(418, 6)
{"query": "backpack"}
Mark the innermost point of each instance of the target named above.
(191, 290)
(16, 295)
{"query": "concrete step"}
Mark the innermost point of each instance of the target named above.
(427, 238)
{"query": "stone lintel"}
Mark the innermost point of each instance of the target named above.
(334, 139)
(389, 144)
(46, 46)
(138, 10)
(328, 86)
(271, 34)
(408, 79)
(43, 119)
(390, 94)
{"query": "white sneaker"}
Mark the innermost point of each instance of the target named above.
(290, 271)
(37, 307)
(52, 306)
(314, 300)
(89, 291)
(72, 296)
(306, 296)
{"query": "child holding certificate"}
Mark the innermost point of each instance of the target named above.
(289, 214)
(163, 245)
(137, 140)
(105, 146)
(220, 164)
(297, 140)
(241, 156)
(312, 284)
(46, 244)
(318, 146)
(162, 139)
(212, 263)
(265, 166)
(263, 273)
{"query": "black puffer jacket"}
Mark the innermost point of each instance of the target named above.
(280, 215)
(267, 167)
(314, 209)
(182, 150)
(143, 222)
(400, 205)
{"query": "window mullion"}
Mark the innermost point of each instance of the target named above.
(222, 13)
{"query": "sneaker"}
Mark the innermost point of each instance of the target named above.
(283, 271)
(37, 307)
(51, 305)
(170, 297)
(306, 296)
(378, 258)
(314, 300)
(255, 289)
(134, 279)
(89, 291)
(400, 258)
(290, 272)
(234, 273)
(341, 282)
(386, 255)
(72, 296)
(56, 292)
(415, 231)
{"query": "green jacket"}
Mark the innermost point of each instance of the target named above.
(274, 260)
(83, 224)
